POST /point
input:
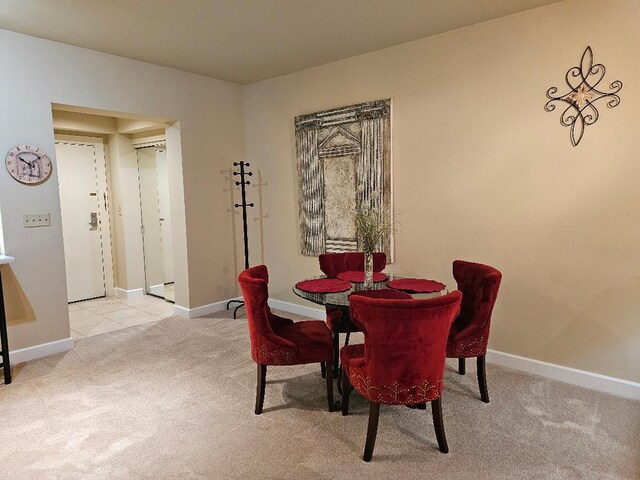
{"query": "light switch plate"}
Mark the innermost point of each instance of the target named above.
(37, 220)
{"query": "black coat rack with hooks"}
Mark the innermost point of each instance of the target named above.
(242, 183)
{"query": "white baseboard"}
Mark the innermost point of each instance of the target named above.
(309, 312)
(582, 378)
(38, 351)
(129, 294)
(157, 290)
(201, 311)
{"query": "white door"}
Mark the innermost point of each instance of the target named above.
(83, 206)
(165, 215)
(151, 225)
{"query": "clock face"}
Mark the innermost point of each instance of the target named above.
(28, 164)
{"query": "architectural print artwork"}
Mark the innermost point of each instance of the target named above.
(584, 91)
(344, 163)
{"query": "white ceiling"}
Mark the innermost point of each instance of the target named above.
(246, 40)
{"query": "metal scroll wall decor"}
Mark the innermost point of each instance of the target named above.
(584, 91)
(344, 163)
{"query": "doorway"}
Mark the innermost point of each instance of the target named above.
(114, 195)
(82, 175)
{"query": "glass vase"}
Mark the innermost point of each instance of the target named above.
(368, 270)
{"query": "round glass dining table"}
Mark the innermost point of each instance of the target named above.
(341, 299)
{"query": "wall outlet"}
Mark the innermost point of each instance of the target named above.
(38, 220)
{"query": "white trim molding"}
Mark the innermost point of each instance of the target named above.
(38, 351)
(309, 312)
(202, 310)
(157, 289)
(582, 378)
(129, 294)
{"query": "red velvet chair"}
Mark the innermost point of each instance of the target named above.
(279, 341)
(469, 333)
(403, 356)
(331, 264)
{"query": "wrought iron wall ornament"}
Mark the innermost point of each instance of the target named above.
(583, 82)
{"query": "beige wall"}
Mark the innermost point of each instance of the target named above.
(206, 133)
(482, 172)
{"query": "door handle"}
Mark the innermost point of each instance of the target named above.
(94, 220)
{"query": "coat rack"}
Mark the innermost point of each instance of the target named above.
(242, 183)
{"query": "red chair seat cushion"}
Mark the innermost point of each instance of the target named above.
(312, 338)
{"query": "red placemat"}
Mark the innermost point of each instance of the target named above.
(382, 293)
(416, 285)
(323, 285)
(358, 277)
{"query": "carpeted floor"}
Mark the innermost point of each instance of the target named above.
(174, 400)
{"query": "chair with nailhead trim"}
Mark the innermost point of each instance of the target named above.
(469, 333)
(403, 356)
(279, 341)
(332, 264)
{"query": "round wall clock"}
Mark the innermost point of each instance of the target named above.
(28, 164)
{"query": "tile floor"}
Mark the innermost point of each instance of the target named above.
(170, 292)
(108, 314)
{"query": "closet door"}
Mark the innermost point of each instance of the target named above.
(165, 215)
(151, 225)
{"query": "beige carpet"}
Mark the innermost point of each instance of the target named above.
(174, 400)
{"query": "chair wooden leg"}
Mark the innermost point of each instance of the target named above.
(346, 391)
(482, 379)
(461, 366)
(374, 414)
(336, 353)
(438, 424)
(323, 369)
(262, 380)
(330, 384)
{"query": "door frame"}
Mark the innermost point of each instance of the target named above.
(104, 183)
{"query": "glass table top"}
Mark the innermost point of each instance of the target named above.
(341, 299)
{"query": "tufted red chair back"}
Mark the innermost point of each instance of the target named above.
(254, 285)
(332, 264)
(266, 346)
(479, 285)
(404, 347)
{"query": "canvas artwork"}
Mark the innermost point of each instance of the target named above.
(344, 162)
